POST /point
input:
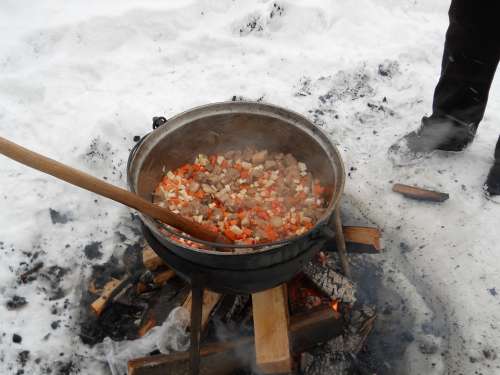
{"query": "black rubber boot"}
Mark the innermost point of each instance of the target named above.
(440, 134)
(492, 185)
(434, 134)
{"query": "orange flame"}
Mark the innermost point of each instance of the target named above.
(335, 304)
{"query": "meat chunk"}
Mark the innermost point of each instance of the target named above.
(289, 160)
(259, 157)
(270, 164)
(194, 187)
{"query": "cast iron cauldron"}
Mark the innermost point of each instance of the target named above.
(217, 128)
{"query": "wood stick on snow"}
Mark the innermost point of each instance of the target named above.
(420, 194)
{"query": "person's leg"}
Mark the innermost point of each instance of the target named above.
(470, 58)
(492, 185)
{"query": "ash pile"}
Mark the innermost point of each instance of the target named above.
(136, 316)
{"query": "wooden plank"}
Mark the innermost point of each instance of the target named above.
(210, 300)
(306, 331)
(363, 235)
(359, 240)
(270, 319)
(420, 194)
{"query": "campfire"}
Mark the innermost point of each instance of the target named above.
(296, 326)
(239, 205)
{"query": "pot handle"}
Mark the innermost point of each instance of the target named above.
(157, 122)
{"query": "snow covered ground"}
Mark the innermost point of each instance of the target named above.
(78, 81)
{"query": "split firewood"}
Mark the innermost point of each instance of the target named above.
(306, 331)
(270, 317)
(210, 300)
(159, 280)
(100, 303)
(151, 260)
(419, 193)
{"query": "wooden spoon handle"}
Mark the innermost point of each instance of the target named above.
(88, 182)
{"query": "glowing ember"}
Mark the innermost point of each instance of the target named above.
(335, 304)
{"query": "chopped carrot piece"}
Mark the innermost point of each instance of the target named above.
(230, 234)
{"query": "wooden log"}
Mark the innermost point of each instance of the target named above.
(151, 260)
(420, 194)
(306, 331)
(270, 319)
(210, 300)
(100, 303)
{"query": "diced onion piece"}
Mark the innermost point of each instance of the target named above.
(276, 222)
(236, 230)
(246, 165)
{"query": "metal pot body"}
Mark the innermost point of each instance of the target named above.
(220, 127)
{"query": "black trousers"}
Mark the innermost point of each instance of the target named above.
(470, 58)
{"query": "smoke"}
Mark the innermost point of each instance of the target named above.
(169, 337)
(173, 335)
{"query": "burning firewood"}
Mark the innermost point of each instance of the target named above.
(330, 282)
(419, 193)
(306, 331)
(270, 316)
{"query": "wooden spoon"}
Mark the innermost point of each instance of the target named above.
(88, 182)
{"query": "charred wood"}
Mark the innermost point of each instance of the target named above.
(332, 283)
